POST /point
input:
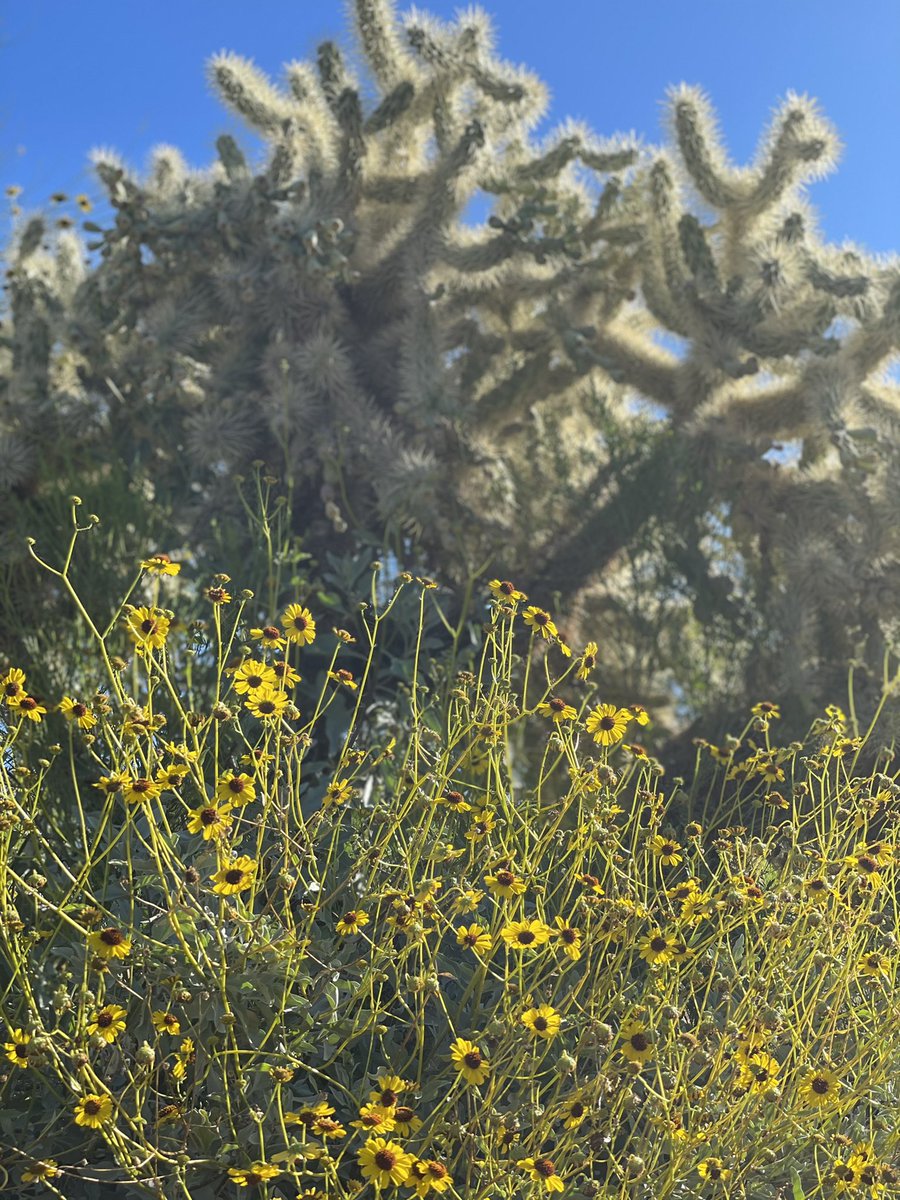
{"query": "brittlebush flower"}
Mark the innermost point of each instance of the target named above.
(568, 937)
(469, 1061)
(505, 883)
(666, 850)
(543, 1021)
(376, 1118)
(539, 621)
(171, 776)
(607, 723)
(12, 685)
(429, 1175)
(588, 661)
(502, 589)
(110, 943)
(184, 1056)
(108, 1022)
(543, 1170)
(525, 935)
(473, 937)
(251, 676)
(75, 710)
(235, 876)
(137, 791)
(389, 1089)
(235, 788)
(285, 675)
(37, 1172)
(820, 1088)
(93, 1109)
(713, 1171)
(557, 710)
(211, 821)
(270, 636)
(253, 1175)
(385, 1163)
(338, 792)
(298, 624)
(873, 963)
(266, 704)
(352, 922)
(309, 1113)
(637, 1042)
(345, 678)
(759, 1072)
(166, 1022)
(17, 1051)
(148, 627)
(160, 564)
(573, 1112)
(29, 708)
(656, 947)
(406, 1122)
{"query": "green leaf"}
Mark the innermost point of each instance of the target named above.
(796, 1185)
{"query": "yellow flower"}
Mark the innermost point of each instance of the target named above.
(309, 1113)
(766, 710)
(389, 1089)
(299, 626)
(665, 849)
(236, 789)
(588, 661)
(759, 1072)
(502, 589)
(817, 890)
(505, 883)
(137, 791)
(270, 636)
(874, 963)
(384, 1163)
(171, 776)
(473, 937)
(266, 704)
(327, 1127)
(429, 1175)
(656, 947)
(217, 595)
(525, 935)
(166, 1022)
(28, 707)
(251, 676)
(285, 676)
(236, 876)
(183, 1057)
(47, 1168)
(820, 1088)
(469, 1061)
(569, 937)
(17, 1051)
(12, 685)
(337, 792)
(211, 821)
(482, 824)
(543, 1021)
(712, 1170)
(539, 621)
(108, 1022)
(608, 723)
(639, 713)
(573, 1112)
(557, 710)
(352, 922)
(110, 943)
(93, 1109)
(637, 1042)
(160, 564)
(543, 1170)
(74, 710)
(345, 678)
(253, 1175)
(376, 1118)
(405, 1120)
(148, 627)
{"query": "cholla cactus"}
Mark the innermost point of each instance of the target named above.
(471, 389)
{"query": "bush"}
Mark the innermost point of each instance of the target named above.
(467, 952)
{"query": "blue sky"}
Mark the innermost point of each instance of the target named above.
(127, 75)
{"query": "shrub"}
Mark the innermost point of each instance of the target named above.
(469, 953)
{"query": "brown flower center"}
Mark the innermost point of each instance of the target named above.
(607, 723)
(545, 1167)
(820, 1086)
(541, 618)
(639, 1042)
(556, 704)
(525, 937)
(104, 1020)
(28, 703)
(208, 816)
(254, 681)
(403, 1113)
(541, 1024)
(237, 786)
(92, 1107)
(111, 937)
(141, 785)
(21, 1051)
(569, 936)
(148, 626)
(506, 587)
(658, 945)
(267, 707)
(576, 1109)
(472, 1059)
(506, 878)
(235, 875)
(385, 1160)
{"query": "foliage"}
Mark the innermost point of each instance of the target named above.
(643, 383)
(472, 931)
